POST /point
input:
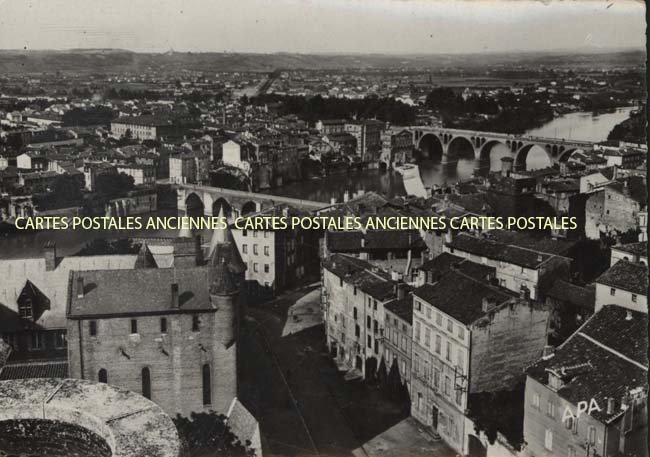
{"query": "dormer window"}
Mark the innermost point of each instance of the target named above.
(554, 381)
(26, 308)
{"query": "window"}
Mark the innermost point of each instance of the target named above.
(59, 340)
(417, 331)
(592, 435)
(571, 451)
(369, 341)
(35, 341)
(266, 234)
(459, 396)
(102, 376)
(134, 326)
(255, 267)
(448, 354)
(255, 249)
(374, 305)
(568, 423)
(146, 383)
(438, 343)
(254, 233)
(612, 291)
(207, 384)
(535, 400)
(416, 363)
(266, 250)
(26, 308)
(357, 331)
(439, 319)
(548, 440)
(244, 232)
(436, 378)
(196, 323)
(634, 298)
(447, 384)
(92, 328)
(550, 409)
(163, 325)
(427, 337)
(418, 305)
(354, 312)
(403, 367)
(419, 401)
(368, 322)
(428, 312)
(460, 360)
(340, 282)
(450, 326)
(461, 333)
(244, 248)
(267, 268)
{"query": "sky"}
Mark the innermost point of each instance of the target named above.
(323, 26)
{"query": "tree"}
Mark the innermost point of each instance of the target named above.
(114, 185)
(208, 435)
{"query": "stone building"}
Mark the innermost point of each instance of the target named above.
(624, 284)
(175, 343)
(354, 297)
(589, 397)
(398, 336)
(516, 266)
(469, 337)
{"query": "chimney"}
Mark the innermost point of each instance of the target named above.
(80, 287)
(628, 315)
(540, 258)
(363, 241)
(346, 196)
(49, 253)
(449, 237)
(610, 405)
(506, 166)
(332, 201)
(175, 295)
(548, 352)
(487, 304)
(399, 290)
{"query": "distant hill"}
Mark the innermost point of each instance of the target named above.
(116, 60)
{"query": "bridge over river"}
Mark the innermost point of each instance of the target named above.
(450, 144)
(195, 200)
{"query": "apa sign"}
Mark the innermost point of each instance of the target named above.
(583, 407)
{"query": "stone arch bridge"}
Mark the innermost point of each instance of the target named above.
(450, 144)
(195, 200)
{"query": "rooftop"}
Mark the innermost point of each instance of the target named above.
(603, 359)
(640, 248)
(484, 247)
(583, 297)
(371, 280)
(402, 308)
(626, 275)
(461, 296)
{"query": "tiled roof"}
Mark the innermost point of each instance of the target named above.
(132, 292)
(53, 284)
(601, 360)
(640, 248)
(35, 369)
(495, 250)
(461, 296)
(371, 280)
(346, 241)
(626, 275)
(529, 241)
(446, 262)
(584, 297)
(402, 308)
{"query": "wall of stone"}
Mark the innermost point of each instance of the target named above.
(48, 438)
(175, 359)
(504, 343)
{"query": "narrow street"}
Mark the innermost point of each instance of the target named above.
(301, 400)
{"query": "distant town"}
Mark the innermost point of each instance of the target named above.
(251, 340)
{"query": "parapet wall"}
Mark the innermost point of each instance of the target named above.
(129, 424)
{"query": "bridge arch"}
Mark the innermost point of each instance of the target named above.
(431, 147)
(194, 205)
(460, 147)
(220, 203)
(249, 207)
(566, 154)
(522, 153)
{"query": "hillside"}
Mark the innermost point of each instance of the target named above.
(115, 60)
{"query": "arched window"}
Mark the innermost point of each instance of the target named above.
(207, 385)
(102, 376)
(146, 383)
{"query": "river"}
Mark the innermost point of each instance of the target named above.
(578, 126)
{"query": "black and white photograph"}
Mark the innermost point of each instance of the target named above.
(323, 228)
